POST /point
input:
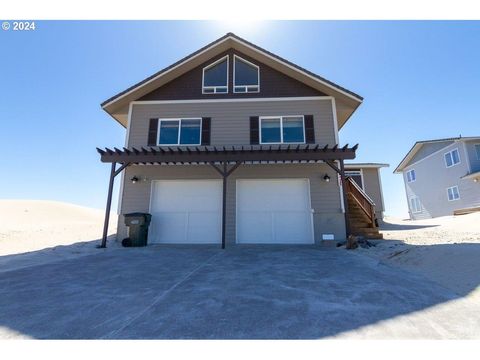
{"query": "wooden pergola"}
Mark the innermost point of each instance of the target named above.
(225, 160)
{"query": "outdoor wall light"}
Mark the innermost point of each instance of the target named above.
(326, 178)
(134, 179)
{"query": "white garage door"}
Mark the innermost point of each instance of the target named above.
(274, 212)
(186, 212)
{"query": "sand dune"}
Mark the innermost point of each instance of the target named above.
(444, 249)
(41, 231)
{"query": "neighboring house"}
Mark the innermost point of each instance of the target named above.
(234, 144)
(442, 176)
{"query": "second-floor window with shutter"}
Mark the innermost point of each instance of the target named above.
(282, 130)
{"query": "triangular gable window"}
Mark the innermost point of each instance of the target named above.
(246, 76)
(215, 77)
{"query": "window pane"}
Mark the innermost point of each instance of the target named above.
(413, 175)
(245, 74)
(292, 129)
(455, 193)
(477, 149)
(216, 75)
(169, 132)
(190, 132)
(455, 157)
(271, 131)
(448, 159)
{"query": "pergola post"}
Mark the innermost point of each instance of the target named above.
(113, 172)
(224, 203)
(225, 174)
(345, 198)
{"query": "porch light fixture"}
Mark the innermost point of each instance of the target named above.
(134, 179)
(326, 178)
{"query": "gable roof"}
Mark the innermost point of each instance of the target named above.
(347, 101)
(417, 146)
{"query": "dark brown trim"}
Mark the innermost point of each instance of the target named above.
(309, 129)
(208, 154)
(206, 129)
(254, 130)
(152, 132)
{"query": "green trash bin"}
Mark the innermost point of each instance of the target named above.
(138, 229)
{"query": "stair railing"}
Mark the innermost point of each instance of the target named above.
(364, 202)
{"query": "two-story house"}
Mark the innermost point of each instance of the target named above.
(235, 145)
(442, 177)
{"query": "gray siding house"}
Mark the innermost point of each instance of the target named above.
(235, 145)
(442, 177)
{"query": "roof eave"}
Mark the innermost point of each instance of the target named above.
(108, 105)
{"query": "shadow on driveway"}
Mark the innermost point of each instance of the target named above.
(262, 292)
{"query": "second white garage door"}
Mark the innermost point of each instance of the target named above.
(186, 212)
(274, 212)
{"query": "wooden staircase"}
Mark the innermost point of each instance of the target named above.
(361, 210)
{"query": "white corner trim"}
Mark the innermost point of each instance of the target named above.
(467, 158)
(122, 178)
(335, 121)
(381, 188)
(200, 101)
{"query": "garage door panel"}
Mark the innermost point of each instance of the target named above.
(186, 212)
(254, 227)
(201, 227)
(292, 227)
(169, 226)
(274, 211)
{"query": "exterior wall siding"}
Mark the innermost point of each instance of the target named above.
(230, 121)
(428, 149)
(328, 217)
(272, 84)
(432, 180)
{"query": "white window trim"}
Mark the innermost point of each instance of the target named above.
(477, 151)
(246, 86)
(281, 117)
(357, 172)
(450, 152)
(409, 171)
(179, 131)
(415, 211)
(458, 192)
(215, 87)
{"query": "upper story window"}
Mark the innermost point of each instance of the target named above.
(246, 76)
(179, 131)
(215, 77)
(411, 176)
(452, 193)
(452, 158)
(282, 129)
(477, 150)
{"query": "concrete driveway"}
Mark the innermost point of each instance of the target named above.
(240, 293)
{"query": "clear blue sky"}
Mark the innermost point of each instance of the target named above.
(420, 80)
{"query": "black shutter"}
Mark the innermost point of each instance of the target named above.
(152, 132)
(254, 133)
(309, 129)
(206, 125)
